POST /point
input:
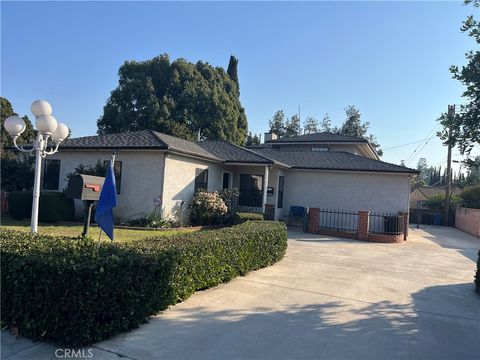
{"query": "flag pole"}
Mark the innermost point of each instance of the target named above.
(112, 164)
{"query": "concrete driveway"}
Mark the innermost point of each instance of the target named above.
(329, 298)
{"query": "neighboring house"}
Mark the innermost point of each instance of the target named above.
(317, 170)
(420, 194)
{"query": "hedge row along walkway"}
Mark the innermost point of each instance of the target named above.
(329, 298)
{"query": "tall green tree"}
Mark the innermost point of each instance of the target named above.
(277, 123)
(465, 125)
(6, 110)
(326, 125)
(178, 98)
(353, 126)
(17, 171)
(310, 125)
(293, 127)
(252, 139)
(232, 70)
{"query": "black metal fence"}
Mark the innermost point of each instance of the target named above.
(338, 220)
(387, 224)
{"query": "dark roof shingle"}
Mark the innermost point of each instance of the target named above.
(137, 139)
(229, 153)
(331, 160)
(233, 153)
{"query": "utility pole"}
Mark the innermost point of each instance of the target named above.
(450, 115)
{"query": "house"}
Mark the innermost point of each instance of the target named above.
(420, 194)
(316, 170)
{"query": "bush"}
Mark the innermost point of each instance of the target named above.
(477, 275)
(151, 220)
(20, 204)
(207, 208)
(77, 292)
(54, 206)
(471, 197)
(437, 201)
(241, 217)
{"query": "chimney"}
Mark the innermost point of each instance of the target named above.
(270, 136)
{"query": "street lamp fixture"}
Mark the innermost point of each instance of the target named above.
(47, 129)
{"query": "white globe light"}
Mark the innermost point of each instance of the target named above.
(60, 133)
(46, 124)
(14, 125)
(41, 107)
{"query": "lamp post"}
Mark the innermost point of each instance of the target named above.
(47, 129)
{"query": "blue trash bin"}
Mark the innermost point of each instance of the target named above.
(437, 219)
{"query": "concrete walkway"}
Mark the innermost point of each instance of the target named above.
(329, 298)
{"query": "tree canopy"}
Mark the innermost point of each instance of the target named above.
(286, 127)
(353, 126)
(177, 98)
(6, 110)
(465, 125)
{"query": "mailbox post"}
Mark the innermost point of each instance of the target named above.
(88, 189)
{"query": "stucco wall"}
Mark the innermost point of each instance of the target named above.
(468, 220)
(179, 183)
(142, 173)
(346, 191)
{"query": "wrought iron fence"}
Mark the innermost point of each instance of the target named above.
(387, 224)
(338, 220)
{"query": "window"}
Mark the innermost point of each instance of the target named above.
(51, 174)
(226, 181)
(319, 148)
(201, 180)
(281, 180)
(251, 190)
(117, 170)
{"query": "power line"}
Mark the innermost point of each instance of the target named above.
(410, 157)
(419, 149)
(399, 146)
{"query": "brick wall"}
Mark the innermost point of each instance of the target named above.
(468, 220)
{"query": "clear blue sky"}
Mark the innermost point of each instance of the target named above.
(390, 59)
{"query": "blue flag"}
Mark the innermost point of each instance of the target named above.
(106, 203)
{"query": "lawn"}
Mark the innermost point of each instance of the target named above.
(75, 229)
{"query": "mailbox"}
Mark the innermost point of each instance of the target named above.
(85, 187)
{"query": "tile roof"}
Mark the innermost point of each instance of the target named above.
(320, 137)
(331, 160)
(233, 153)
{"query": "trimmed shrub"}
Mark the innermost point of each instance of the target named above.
(477, 275)
(54, 206)
(77, 292)
(241, 217)
(20, 204)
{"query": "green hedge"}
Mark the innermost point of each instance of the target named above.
(75, 292)
(241, 217)
(477, 275)
(54, 206)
